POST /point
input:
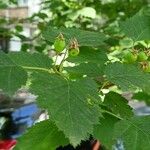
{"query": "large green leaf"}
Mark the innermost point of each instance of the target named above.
(13, 65)
(118, 105)
(134, 132)
(12, 77)
(30, 60)
(68, 103)
(85, 38)
(127, 76)
(105, 129)
(137, 27)
(42, 136)
(88, 54)
(89, 69)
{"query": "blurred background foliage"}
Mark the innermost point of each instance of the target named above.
(95, 15)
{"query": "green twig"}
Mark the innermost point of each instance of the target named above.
(61, 63)
(36, 68)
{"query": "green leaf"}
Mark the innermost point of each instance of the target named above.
(12, 65)
(19, 28)
(137, 27)
(29, 60)
(134, 132)
(126, 43)
(12, 77)
(147, 89)
(89, 69)
(87, 12)
(42, 136)
(118, 105)
(89, 55)
(85, 38)
(25, 47)
(127, 76)
(68, 103)
(141, 96)
(105, 129)
(42, 15)
(3, 5)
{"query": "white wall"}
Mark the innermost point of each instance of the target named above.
(15, 42)
(33, 5)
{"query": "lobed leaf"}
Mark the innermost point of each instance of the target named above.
(68, 103)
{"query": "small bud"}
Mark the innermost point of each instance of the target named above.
(59, 43)
(74, 48)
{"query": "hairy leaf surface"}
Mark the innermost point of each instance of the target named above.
(85, 38)
(12, 77)
(68, 103)
(127, 76)
(137, 27)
